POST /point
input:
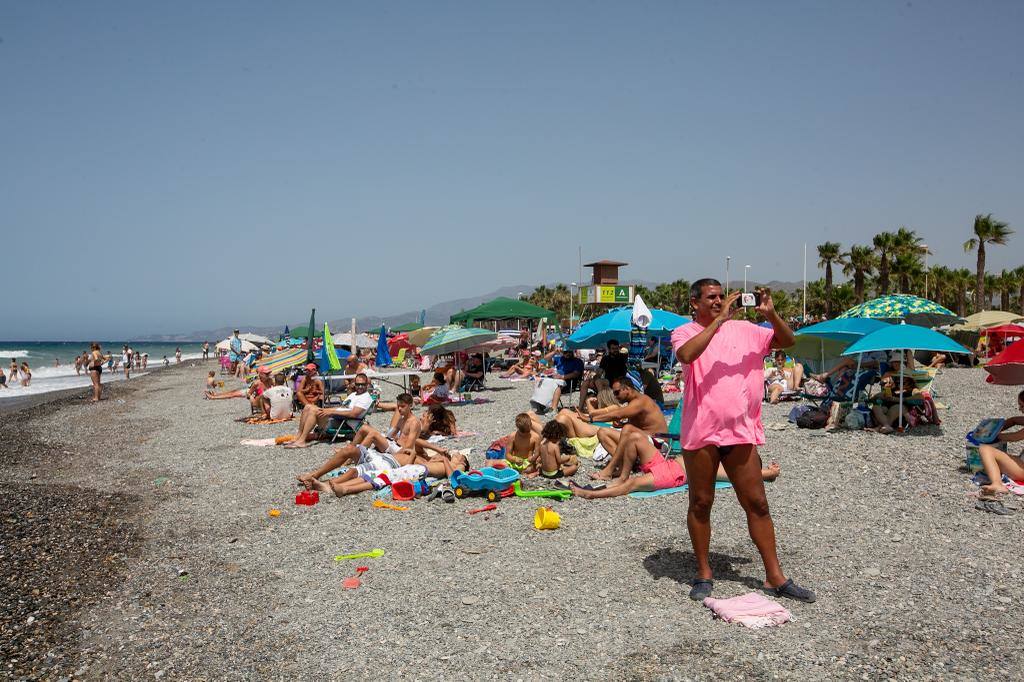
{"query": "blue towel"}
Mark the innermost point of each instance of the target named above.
(681, 489)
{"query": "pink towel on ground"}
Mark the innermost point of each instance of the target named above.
(751, 610)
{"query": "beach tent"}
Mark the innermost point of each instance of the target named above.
(618, 323)
(999, 335)
(902, 337)
(407, 327)
(302, 333)
(502, 308)
(1007, 368)
(910, 309)
(345, 339)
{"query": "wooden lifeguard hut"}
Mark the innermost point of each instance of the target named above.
(605, 291)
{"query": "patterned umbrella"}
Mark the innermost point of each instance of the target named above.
(912, 309)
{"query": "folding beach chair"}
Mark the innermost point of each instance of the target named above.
(399, 360)
(343, 428)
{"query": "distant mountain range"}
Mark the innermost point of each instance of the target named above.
(437, 314)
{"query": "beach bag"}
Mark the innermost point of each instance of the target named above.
(814, 418)
(815, 388)
(797, 411)
(855, 420)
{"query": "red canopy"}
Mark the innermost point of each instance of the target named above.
(1010, 330)
(1007, 368)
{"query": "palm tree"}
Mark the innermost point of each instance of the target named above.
(883, 243)
(991, 290)
(987, 230)
(940, 277)
(829, 253)
(961, 281)
(1019, 274)
(860, 261)
(905, 267)
(1006, 283)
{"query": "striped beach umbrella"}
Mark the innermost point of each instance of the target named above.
(453, 338)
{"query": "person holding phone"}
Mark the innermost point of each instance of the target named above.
(723, 371)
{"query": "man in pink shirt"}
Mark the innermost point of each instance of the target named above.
(723, 371)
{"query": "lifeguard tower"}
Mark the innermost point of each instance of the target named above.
(604, 291)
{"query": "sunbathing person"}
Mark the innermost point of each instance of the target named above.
(353, 365)
(437, 391)
(938, 361)
(637, 409)
(656, 472)
(996, 462)
(547, 458)
(309, 390)
(369, 444)
(354, 407)
(781, 378)
(604, 397)
(525, 368)
(251, 392)
(439, 467)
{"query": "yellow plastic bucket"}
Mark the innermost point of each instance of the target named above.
(546, 518)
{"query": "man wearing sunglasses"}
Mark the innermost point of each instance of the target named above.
(354, 407)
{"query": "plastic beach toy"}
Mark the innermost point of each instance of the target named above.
(372, 554)
(488, 481)
(546, 518)
(354, 582)
(485, 508)
(307, 497)
(381, 504)
(274, 512)
(550, 494)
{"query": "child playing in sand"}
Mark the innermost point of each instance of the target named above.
(516, 448)
(439, 467)
(211, 381)
(414, 386)
(547, 458)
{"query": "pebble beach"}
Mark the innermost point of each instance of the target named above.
(137, 544)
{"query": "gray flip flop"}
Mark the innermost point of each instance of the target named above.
(791, 590)
(701, 589)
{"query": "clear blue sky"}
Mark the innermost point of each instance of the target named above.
(167, 167)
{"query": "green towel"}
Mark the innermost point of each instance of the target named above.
(681, 489)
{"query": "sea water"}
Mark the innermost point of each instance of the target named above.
(41, 358)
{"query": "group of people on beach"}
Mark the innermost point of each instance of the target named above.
(723, 385)
(21, 373)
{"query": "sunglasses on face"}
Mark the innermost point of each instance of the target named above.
(360, 385)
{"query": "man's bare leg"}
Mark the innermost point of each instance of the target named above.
(701, 468)
(633, 483)
(342, 456)
(609, 439)
(743, 466)
(307, 421)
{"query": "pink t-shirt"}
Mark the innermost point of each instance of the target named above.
(723, 388)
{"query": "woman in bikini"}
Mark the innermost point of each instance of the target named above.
(95, 370)
(26, 374)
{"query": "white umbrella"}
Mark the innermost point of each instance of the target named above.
(247, 346)
(255, 338)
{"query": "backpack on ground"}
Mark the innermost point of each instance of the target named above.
(814, 418)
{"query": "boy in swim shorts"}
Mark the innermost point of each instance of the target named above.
(516, 448)
(547, 458)
(439, 467)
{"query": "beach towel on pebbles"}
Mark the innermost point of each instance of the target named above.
(751, 610)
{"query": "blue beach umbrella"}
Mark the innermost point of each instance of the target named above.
(903, 337)
(830, 338)
(383, 355)
(617, 324)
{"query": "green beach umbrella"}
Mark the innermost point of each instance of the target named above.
(454, 338)
(910, 309)
(310, 356)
